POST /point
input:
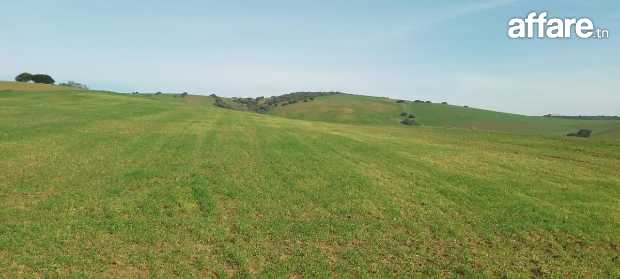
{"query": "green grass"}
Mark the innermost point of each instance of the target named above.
(111, 185)
(7, 86)
(354, 109)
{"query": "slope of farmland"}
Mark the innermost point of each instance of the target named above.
(99, 184)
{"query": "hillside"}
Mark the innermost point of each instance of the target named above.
(32, 87)
(115, 185)
(355, 109)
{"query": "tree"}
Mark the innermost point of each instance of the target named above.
(23, 77)
(41, 78)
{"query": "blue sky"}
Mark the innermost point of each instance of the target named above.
(455, 51)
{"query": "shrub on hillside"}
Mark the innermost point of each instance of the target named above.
(74, 84)
(23, 77)
(221, 103)
(408, 122)
(411, 115)
(158, 93)
(42, 78)
(403, 114)
(444, 103)
(262, 109)
(582, 133)
(400, 101)
(184, 94)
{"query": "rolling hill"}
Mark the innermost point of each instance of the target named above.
(97, 184)
(33, 87)
(355, 109)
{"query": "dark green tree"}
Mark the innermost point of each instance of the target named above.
(42, 78)
(23, 77)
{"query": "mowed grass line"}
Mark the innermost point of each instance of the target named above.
(135, 186)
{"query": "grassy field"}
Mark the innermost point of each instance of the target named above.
(112, 185)
(8, 86)
(353, 109)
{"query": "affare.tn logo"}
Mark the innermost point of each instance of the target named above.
(554, 27)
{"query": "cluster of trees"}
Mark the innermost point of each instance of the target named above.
(252, 104)
(36, 78)
(420, 101)
(264, 104)
(295, 97)
(74, 84)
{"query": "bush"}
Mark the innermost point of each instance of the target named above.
(403, 114)
(408, 122)
(158, 93)
(41, 78)
(411, 115)
(582, 133)
(184, 94)
(74, 85)
(400, 101)
(220, 103)
(262, 109)
(444, 103)
(23, 77)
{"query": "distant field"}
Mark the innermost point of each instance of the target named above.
(353, 109)
(113, 185)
